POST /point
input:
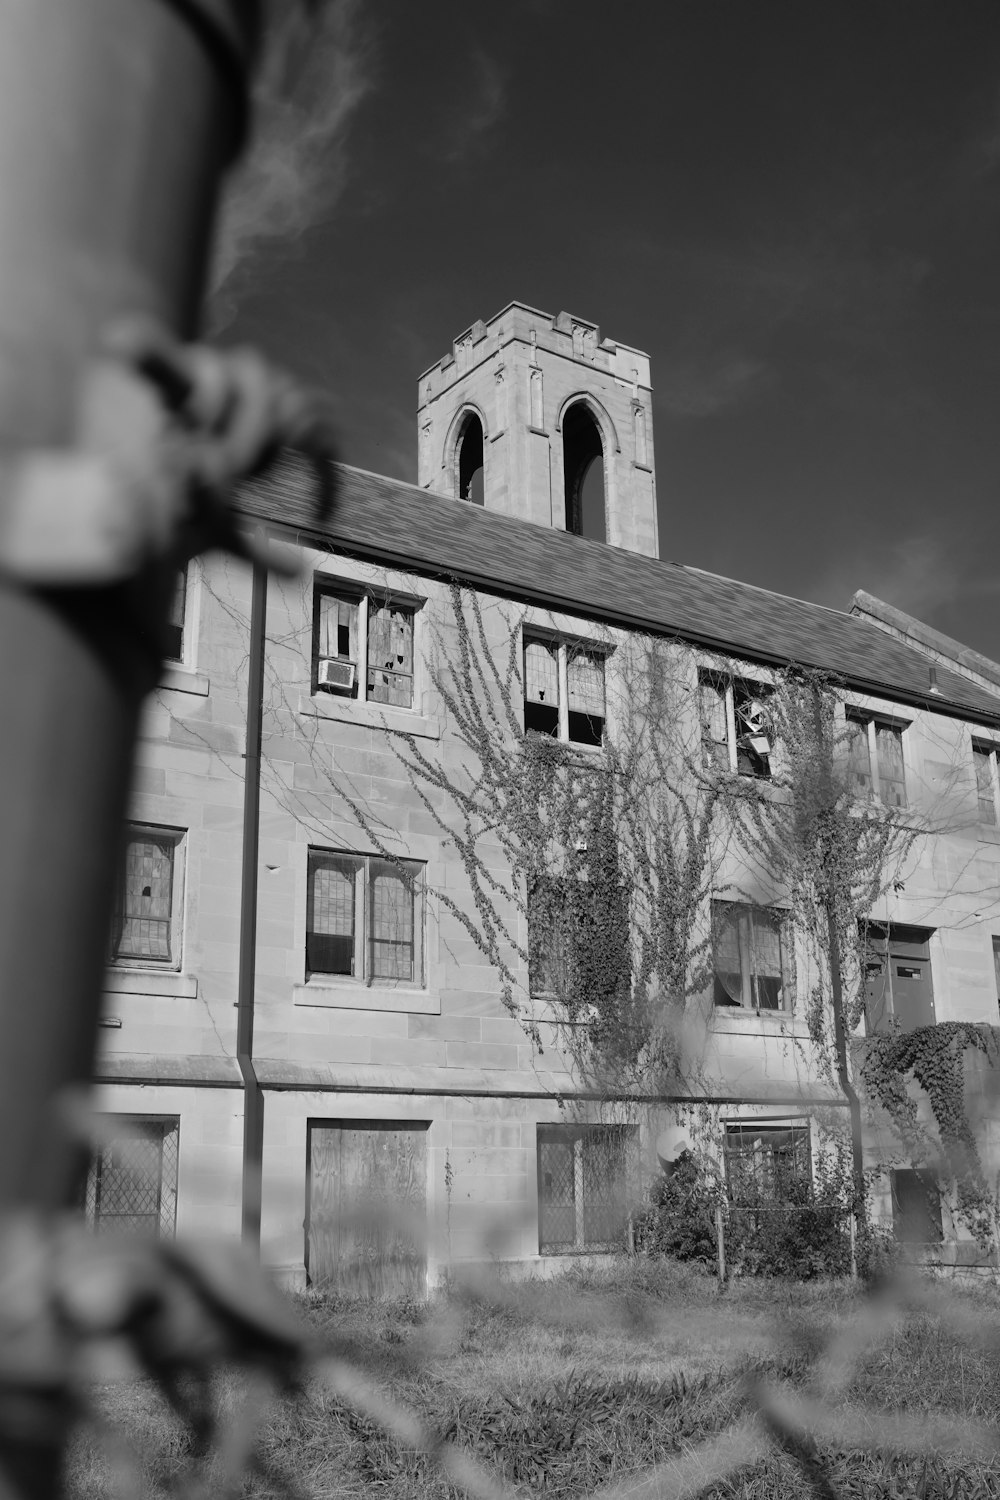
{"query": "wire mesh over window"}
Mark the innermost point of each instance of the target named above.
(767, 1165)
(143, 921)
(583, 1174)
(330, 919)
(132, 1183)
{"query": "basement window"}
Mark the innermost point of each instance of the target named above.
(916, 1207)
(363, 647)
(564, 691)
(583, 1175)
(766, 1164)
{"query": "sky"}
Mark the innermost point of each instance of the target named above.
(793, 208)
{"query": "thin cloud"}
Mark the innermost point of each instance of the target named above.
(920, 575)
(704, 387)
(316, 72)
(485, 107)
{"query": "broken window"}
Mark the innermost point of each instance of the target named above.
(173, 648)
(363, 647)
(469, 460)
(736, 727)
(583, 468)
(147, 912)
(364, 918)
(752, 956)
(564, 691)
(875, 758)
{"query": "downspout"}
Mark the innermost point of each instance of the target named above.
(253, 1098)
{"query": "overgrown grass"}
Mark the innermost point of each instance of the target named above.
(565, 1387)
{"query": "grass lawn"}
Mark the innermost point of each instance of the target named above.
(564, 1388)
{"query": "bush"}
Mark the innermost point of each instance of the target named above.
(680, 1219)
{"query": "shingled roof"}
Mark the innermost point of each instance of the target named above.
(385, 520)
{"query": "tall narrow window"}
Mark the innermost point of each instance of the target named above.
(984, 758)
(916, 1207)
(583, 1174)
(146, 922)
(899, 991)
(469, 460)
(131, 1187)
(583, 467)
(174, 640)
(752, 952)
(736, 729)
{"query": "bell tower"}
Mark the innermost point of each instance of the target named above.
(540, 418)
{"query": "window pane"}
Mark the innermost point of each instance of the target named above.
(392, 902)
(146, 905)
(767, 1164)
(859, 761)
(586, 683)
(541, 673)
(766, 963)
(338, 628)
(390, 654)
(753, 731)
(714, 724)
(330, 921)
(605, 1209)
(174, 644)
(726, 919)
(889, 749)
(982, 759)
(132, 1183)
(556, 1189)
(549, 922)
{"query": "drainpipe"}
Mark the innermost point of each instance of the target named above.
(253, 1098)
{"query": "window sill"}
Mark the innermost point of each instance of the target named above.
(181, 679)
(332, 996)
(371, 715)
(736, 1018)
(151, 982)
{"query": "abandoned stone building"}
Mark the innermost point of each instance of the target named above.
(301, 987)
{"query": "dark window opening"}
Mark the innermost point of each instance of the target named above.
(583, 464)
(470, 461)
(916, 1207)
(173, 642)
(543, 718)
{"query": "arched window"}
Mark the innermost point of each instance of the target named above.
(469, 460)
(583, 465)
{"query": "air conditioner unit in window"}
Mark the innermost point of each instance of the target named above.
(336, 673)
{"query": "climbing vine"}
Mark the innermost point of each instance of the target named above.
(934, 1058)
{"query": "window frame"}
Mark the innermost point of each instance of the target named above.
(734, 691)
(989, 750)
(117, 1130)
(362, 598)
(574, 1137)
(873, 722)
(566, 648)
(749, 978)
(767, 1131)
(182, 594)
(174, 838)
(366, 869)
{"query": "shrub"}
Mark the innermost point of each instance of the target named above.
(680, 1219)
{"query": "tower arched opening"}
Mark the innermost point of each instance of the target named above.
(583, 467)
(469, 460)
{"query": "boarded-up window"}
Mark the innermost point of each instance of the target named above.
(898, 985)
(131, 1186)
(372, 635)
(714, 724)
(145, 922)
(366, 1224)
(584, 1172)
(365, 918)
(753, 959)
(889, 751)
(585, 681)
(984, 760)
(564, 691)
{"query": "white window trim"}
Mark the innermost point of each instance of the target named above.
(873, 721)
(362, 979)
(992, 750)
(362, 595)
(564, 646)
(174, 964)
